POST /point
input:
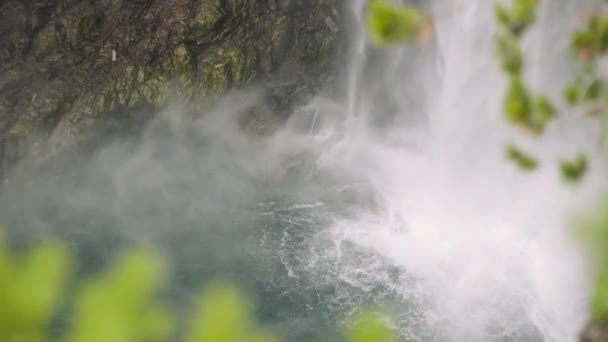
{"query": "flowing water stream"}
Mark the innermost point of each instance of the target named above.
(396, 195)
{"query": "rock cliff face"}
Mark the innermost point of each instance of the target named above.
(70, 69)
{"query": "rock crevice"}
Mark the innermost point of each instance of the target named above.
(66, 66)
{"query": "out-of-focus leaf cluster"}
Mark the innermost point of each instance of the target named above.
(591, 41)
(391, 24)
(588, 89)
(224, 314)
(528, 112)
(124, 303)
(592, 231)
(517, 18)
(121, 304)
(30, 286)
(523, 160)
(368, 327)
(521, 107)
(573, 170)
(532, 113)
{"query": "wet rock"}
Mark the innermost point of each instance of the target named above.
(595, 332)
(68, 65)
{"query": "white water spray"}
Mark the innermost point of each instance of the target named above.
(488, 246)
(398, 195)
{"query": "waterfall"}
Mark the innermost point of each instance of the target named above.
(487, 246)
(393, 194)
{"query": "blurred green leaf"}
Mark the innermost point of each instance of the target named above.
(524, 11)
(591, 40)
(594, 90)
(571, 94)
(599, 299)
(518, 17)
(520, 107)
(523, 160)
(369, 327)
(30, 284)
(121, 305)
(391, 24)
(517, 103)
(502, 15)
(509, 53)
(573, 171)
(592, 232)
(544, 112)
(583, 40)
(223, 314)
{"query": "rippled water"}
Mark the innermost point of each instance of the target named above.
(396, 195)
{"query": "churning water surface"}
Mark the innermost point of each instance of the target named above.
(396, 195)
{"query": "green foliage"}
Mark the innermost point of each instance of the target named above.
(524, 161)
(523, 12)
(518, 17)
(544, 112)
(594, 90)
(521, 107)
(534, 112)
(592, 39)
(120, 305)
(587, 90)
(502, 14)
(522, 110)
(571, 94)
(30, 285)
(368, 327)
(583, 42)
(592, 232)
(599, 299)
(390, 24)
(509, 53)
(123, 304)
(517, 104)
(223, 314)
(573, 171)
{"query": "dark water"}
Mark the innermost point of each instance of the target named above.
(218, 207)
(243, 212)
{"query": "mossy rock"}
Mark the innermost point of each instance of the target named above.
(67, 66)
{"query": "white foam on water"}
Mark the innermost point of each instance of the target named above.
(408, 168)
(490, 246)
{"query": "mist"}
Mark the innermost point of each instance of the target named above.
(393, 193)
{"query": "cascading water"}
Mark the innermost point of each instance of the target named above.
(486, 246)
(397, 195)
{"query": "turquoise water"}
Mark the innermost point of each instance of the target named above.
(215, 216)
(396, 195)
